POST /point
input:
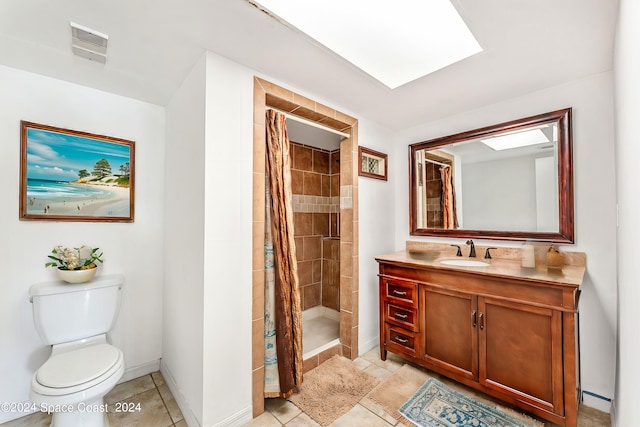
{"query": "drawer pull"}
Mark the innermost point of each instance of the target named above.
(397, 292)
(481, 320)
(400, 315)
(473, 318)
(401, 340)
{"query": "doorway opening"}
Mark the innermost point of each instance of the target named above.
(345, 295)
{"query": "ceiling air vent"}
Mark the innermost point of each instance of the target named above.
(88, 43)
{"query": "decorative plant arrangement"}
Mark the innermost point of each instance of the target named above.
(75, 265)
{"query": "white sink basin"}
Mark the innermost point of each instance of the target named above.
(464, 262)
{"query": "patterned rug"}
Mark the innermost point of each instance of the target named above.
(436, 405)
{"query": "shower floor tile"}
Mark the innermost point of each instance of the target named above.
(317, 332)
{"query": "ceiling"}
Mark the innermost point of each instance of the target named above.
(528, 45)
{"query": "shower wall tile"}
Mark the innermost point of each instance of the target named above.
(299, 241)
(311, 295)
(346, 225)
(302, 157)
(309, 364)
(346, 258)
(334, 162)
(333, 224)
(325, 185)
(305, 273)
(257, 305)
(345, 328)
(317, 270)
(321, 161)
(305, 102)
(321, 224)
(302, 223)
(312, 184)
(331, 296)
(259, 152)
(312, 248)
(335, 185)
(331, 249)
(296, 181)
(329, 353)
(345, 292)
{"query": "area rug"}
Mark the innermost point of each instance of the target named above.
(394, 390)
(332, 389)
(436, 405)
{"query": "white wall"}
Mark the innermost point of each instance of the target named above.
(627, 104)
(134, 249)
(499, 194)
(376, 231)
(182, 327)
(595, 214)
(227, 375)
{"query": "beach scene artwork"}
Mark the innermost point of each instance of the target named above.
(70, 175)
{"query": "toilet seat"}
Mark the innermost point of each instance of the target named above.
(76, 370)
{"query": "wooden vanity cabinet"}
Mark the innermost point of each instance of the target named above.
(512, 338)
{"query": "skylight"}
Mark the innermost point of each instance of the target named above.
(394, 42)
(515, 140)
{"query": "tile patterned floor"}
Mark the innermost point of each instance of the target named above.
(281, 412)
(158, 408)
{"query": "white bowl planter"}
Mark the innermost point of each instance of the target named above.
(77, 276)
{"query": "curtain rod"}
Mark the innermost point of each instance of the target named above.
(310, 123)
(437, 163)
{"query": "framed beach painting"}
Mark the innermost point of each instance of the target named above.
(68, 175)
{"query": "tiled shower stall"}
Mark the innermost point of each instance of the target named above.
(315, 178)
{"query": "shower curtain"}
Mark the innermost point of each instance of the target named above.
(449, 216)
(283, 314)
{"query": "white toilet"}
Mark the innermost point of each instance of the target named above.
(83, 366)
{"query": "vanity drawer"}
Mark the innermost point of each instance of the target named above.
(405, 292)
(400, 340)
(400, 315)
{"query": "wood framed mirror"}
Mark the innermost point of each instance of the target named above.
(510, 181)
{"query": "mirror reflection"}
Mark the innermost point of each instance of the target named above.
(506, 181)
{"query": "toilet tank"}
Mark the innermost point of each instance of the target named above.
(65, 312)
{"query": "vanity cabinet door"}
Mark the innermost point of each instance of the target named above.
(521, 352)
(450, 338)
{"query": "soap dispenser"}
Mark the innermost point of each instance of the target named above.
(528, 256)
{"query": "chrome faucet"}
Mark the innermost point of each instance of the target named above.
(472, 251)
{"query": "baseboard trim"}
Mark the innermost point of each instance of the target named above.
(238, 419)
(596, 401)
(367, 345)
(140, 371)
(187, 413)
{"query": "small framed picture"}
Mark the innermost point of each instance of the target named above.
(68, 175)
(373, 164)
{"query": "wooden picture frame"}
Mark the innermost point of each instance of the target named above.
(372, 164)
(68, 175)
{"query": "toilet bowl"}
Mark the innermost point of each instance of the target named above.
(83, 366)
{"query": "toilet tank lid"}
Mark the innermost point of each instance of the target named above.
(59, 287)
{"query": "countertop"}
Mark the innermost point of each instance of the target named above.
(571, 275)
